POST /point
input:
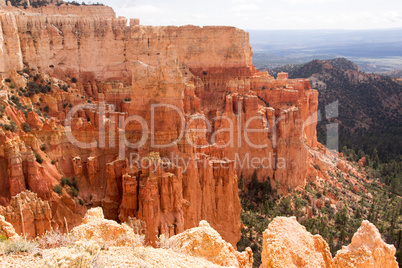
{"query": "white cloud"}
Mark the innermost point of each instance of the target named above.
(394, 16)
(264, 14)
(200, 16)
(308, 2)
(142, 9)
(245, 1)
(245, 7)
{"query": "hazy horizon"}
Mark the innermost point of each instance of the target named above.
(265, 15)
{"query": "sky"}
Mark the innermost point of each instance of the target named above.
(265, 14)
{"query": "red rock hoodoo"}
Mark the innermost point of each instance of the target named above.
(216, 117)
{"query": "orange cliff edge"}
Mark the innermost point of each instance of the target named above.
(205, 72)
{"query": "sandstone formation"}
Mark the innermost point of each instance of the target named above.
(33, 120)
(362, 161)
(61, 50)
(106, 232)
(367, 250)
(217, 117)
(202, 242)
(6, 229)
(287, 244)
(342, 165)
(86, 254)
(93, 214)
(38, 209)
(205, 242)
(29, 215)
(75, 138)
(154, 258)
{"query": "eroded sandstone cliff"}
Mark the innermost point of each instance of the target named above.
(120, 71)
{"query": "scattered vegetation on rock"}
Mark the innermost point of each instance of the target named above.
(333, 206)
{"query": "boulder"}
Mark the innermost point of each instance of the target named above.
(342, 166)
(362, 162)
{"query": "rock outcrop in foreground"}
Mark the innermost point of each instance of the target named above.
(287, 244)
(196, 247)
(367, 250)
(107, 232)
(203, 241)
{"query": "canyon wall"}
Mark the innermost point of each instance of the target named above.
(103, 47)
(228, 120)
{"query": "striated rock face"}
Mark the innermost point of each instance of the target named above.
(63, 51)
(205, 73)
(287, 244)
(10, 48)
(205, 242)
(169, 202)
(367, 250)
(111, 203)
(21, 172)
(6, 229)
(210, 193)
(29, 215)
